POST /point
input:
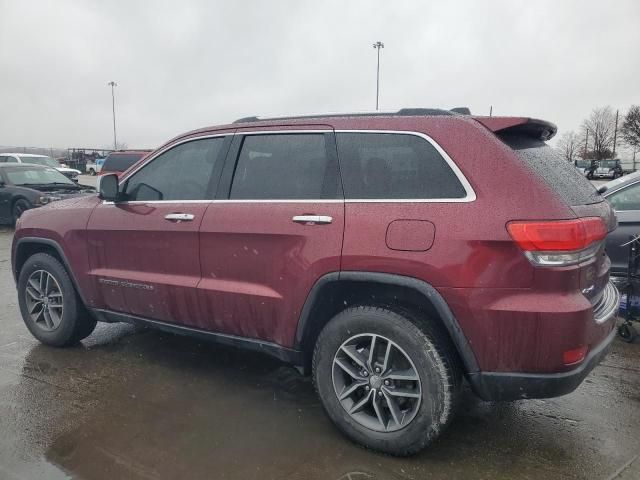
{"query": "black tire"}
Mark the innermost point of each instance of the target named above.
(92, 172)
(627, 332)
(18, 208)
(75, 324)
(430, 351)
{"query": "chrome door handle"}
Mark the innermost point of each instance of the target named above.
(315, 219)
(179, 217)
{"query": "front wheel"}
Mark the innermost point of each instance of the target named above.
(49, 304)
(387, 383)
(92, 172)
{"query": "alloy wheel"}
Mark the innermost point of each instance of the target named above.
(376, 382)
(44, 300)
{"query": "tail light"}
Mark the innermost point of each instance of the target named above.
(559, 242)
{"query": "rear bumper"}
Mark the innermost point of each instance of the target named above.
(496, 386)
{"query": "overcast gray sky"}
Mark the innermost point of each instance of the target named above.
(186, 64)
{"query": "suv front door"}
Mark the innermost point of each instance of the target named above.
(144, 249)
(274, 230)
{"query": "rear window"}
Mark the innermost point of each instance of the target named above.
(559, 174)
(120, 162)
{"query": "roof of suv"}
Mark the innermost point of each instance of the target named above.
(129, 152)
(531, 127)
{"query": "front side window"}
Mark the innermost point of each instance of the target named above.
(394, 166)
(181, 173)
(626, 199)
(283, 167)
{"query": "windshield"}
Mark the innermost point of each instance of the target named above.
(36, 176)
(47, 161)
(607, 163)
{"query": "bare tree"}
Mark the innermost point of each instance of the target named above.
(600, 127)
(568, 144)
(630, 130)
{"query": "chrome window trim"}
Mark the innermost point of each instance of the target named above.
(469, 197)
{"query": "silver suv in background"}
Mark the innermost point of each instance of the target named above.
(70, 173)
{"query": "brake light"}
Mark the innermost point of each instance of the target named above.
(559, 242)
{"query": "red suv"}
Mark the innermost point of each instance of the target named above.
(121, 160)
(391, 255)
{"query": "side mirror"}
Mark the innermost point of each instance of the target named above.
(108, 188)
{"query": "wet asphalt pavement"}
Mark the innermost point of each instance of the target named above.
(140, 404)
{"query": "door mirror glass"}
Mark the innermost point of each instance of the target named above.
(109, 188)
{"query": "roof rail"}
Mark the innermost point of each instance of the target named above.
(403, 112)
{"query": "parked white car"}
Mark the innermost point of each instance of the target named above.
(40, 160)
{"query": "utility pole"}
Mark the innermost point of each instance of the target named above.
(113, 84)
(378, 45)
(615, 136)
(586, 143)
(491, 110)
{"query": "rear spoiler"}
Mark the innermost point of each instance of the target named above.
(531, 127)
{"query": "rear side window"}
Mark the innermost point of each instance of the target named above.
(394, 166)
(120, 162)
(559, 174)
(181, 173)
(285, 167)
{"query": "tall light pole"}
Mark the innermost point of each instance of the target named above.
(378, 46)
(113, 84)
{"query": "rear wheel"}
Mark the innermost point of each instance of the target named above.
(92, 172)
(385, 382)
(49, 304)
(19, 207)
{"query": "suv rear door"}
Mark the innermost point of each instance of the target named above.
(274, 230)
(144, 249)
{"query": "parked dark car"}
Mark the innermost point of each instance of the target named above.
(119, 161)
(25, 186)
(624, 196)
(386, 254)
(606, 169)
